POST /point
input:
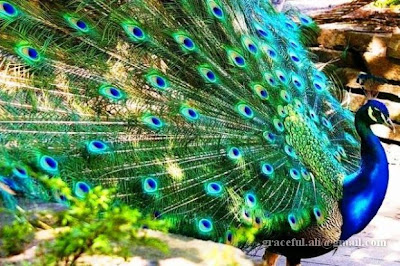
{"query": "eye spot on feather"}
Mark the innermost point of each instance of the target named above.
(281, 111)
(319, 76)
(81, 24)
(229, 237)
(281, 76)
(236, 59)
(295, 174)
(305, 174)
(246, 216)
(286, 96)
(319, 86)
(305, 20)
(81, 189)
(185, 41)
(314, 116)
(150, 185)
(294, 58)
(297, 82)
(77, 23)
(157, 214)
(28, 53)
(214, 189)
(270, 52)
(278, 125)
(190, 114)
(298, 105)
(134, 31)
(267, 169)
(293, 222)
(215, 9)
(137, 32)
(349, 138)
(234, 153)
(290, 25)
(252, 48)
(250, 200)
(260, 91)
(48, 164)
(245, 111)
(7, 10)
(60, 198)
(112, 93)
(318, 214)
(261, 31)
(290, 151)
(326, 123)
(20, 172)
(153, 122)
(342, 152)
(337, 155)
(294, 45)
(270, 79)
(207, 74)
(270, 137)
(96, 147)
(157, 81)
(205, 225)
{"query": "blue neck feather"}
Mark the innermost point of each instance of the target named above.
(364, 191)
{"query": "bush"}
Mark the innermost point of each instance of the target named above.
(94, 225)
(387, 3)
(15, 237)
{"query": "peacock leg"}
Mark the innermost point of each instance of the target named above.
(269, 258)
(293, 262)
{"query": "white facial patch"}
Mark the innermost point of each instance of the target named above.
(371, 114)
(383, 117)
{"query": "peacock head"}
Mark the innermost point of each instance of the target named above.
(375, 112)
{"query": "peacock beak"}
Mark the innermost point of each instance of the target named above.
(389, 123)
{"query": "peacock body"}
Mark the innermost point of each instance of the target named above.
(207, 113)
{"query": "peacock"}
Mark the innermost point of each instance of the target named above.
(210, 114)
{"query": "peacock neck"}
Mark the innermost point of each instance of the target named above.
(364, 191)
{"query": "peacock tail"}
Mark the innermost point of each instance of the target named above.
(209, 114)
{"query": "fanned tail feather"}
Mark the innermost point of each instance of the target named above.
(208, 113)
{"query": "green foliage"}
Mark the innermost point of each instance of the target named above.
(95, 226)
(15, 237)
(387, 3)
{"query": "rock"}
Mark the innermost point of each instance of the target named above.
(341, 35)
(382, 66)
(183, 251)
(393, 50)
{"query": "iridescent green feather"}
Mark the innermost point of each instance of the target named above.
(207, 113)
